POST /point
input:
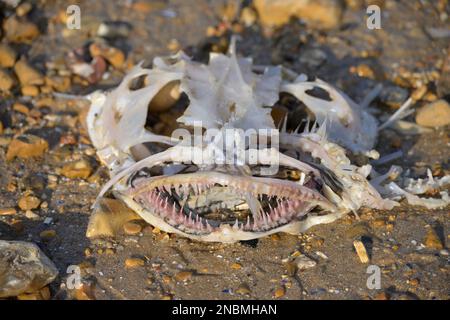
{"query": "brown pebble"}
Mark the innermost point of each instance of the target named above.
(20, 30)
(23, 9)
(414, 282)
(166, 297)
(6, 81)
(77, 169)
(378, 223)
(7, 56)
(132, 228)
(183, 276)
(43, 294)
(48, 234)
(85, 292)
(30, 91)
(134, 262)
(435, 114)
(7, 211)
(279, 292)
(361, 251)
(113, 55)
(26, 146)
(28, 203)
(165, 98)
(27, 74)
(243, 289)
(236, 266)
(20, 107)
(381, 296)
(432, 240)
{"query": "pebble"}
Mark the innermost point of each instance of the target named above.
(303, 262)
(78, 169)
(432, 240)
(108, 218)
(393, 96)
(26, 146)
(20, 107)
(23, 9)
(85, 292)
(7, 211)
(132, 228)
(27, 74)
(321, 14)
(113, 55)
(30, 91)
(248, 16)
(313, 58)
(236, 266)
(279, 292)
(114, 29)
(6, 81)
(24, 268)
(243, 289)
(20, 31)
(134, 262)
(183, 276)
(28, 203)
(48, 234)
(435, 114)
(7, 56)
(43, 294)
(361, 251)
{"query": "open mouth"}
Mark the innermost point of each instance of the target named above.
(202, 202)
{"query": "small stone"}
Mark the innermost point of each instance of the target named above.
(414, 282)
(108, 218)
(109, 251)
(313, 58)
(7, 56)
(166, 297)
(381, 296)
(321, 14)
(364, 70)
(279, 292)
(7, 211)
(393, 96)
(361, 251)
(59, 83)
(85, 292)
(77, 169)
(114, 29)
(113, 55)
(134, 262)
(379, 223)
(432, 240)
(87, 252)
(20, 31)
(27, 74)
(43, 294)
(183, 276)
(435, 114)
(48, 234)
(20, 107)
(303, 262)
(248, 16)
(28, 203)
(24, 268)
(275, 237)
(30, 91)
(132, 228)
(236, 266)
(26, 146)
(419, 93)
(6, 81)
(243, 289)
(23, 9)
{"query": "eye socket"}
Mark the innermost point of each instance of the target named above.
(137, 83)
(320, 93)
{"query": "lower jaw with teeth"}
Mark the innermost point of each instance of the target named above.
(206, 208)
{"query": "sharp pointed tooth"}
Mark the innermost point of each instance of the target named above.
(302, 178)
(236, 224)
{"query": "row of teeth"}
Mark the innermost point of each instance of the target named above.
(261, 221)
